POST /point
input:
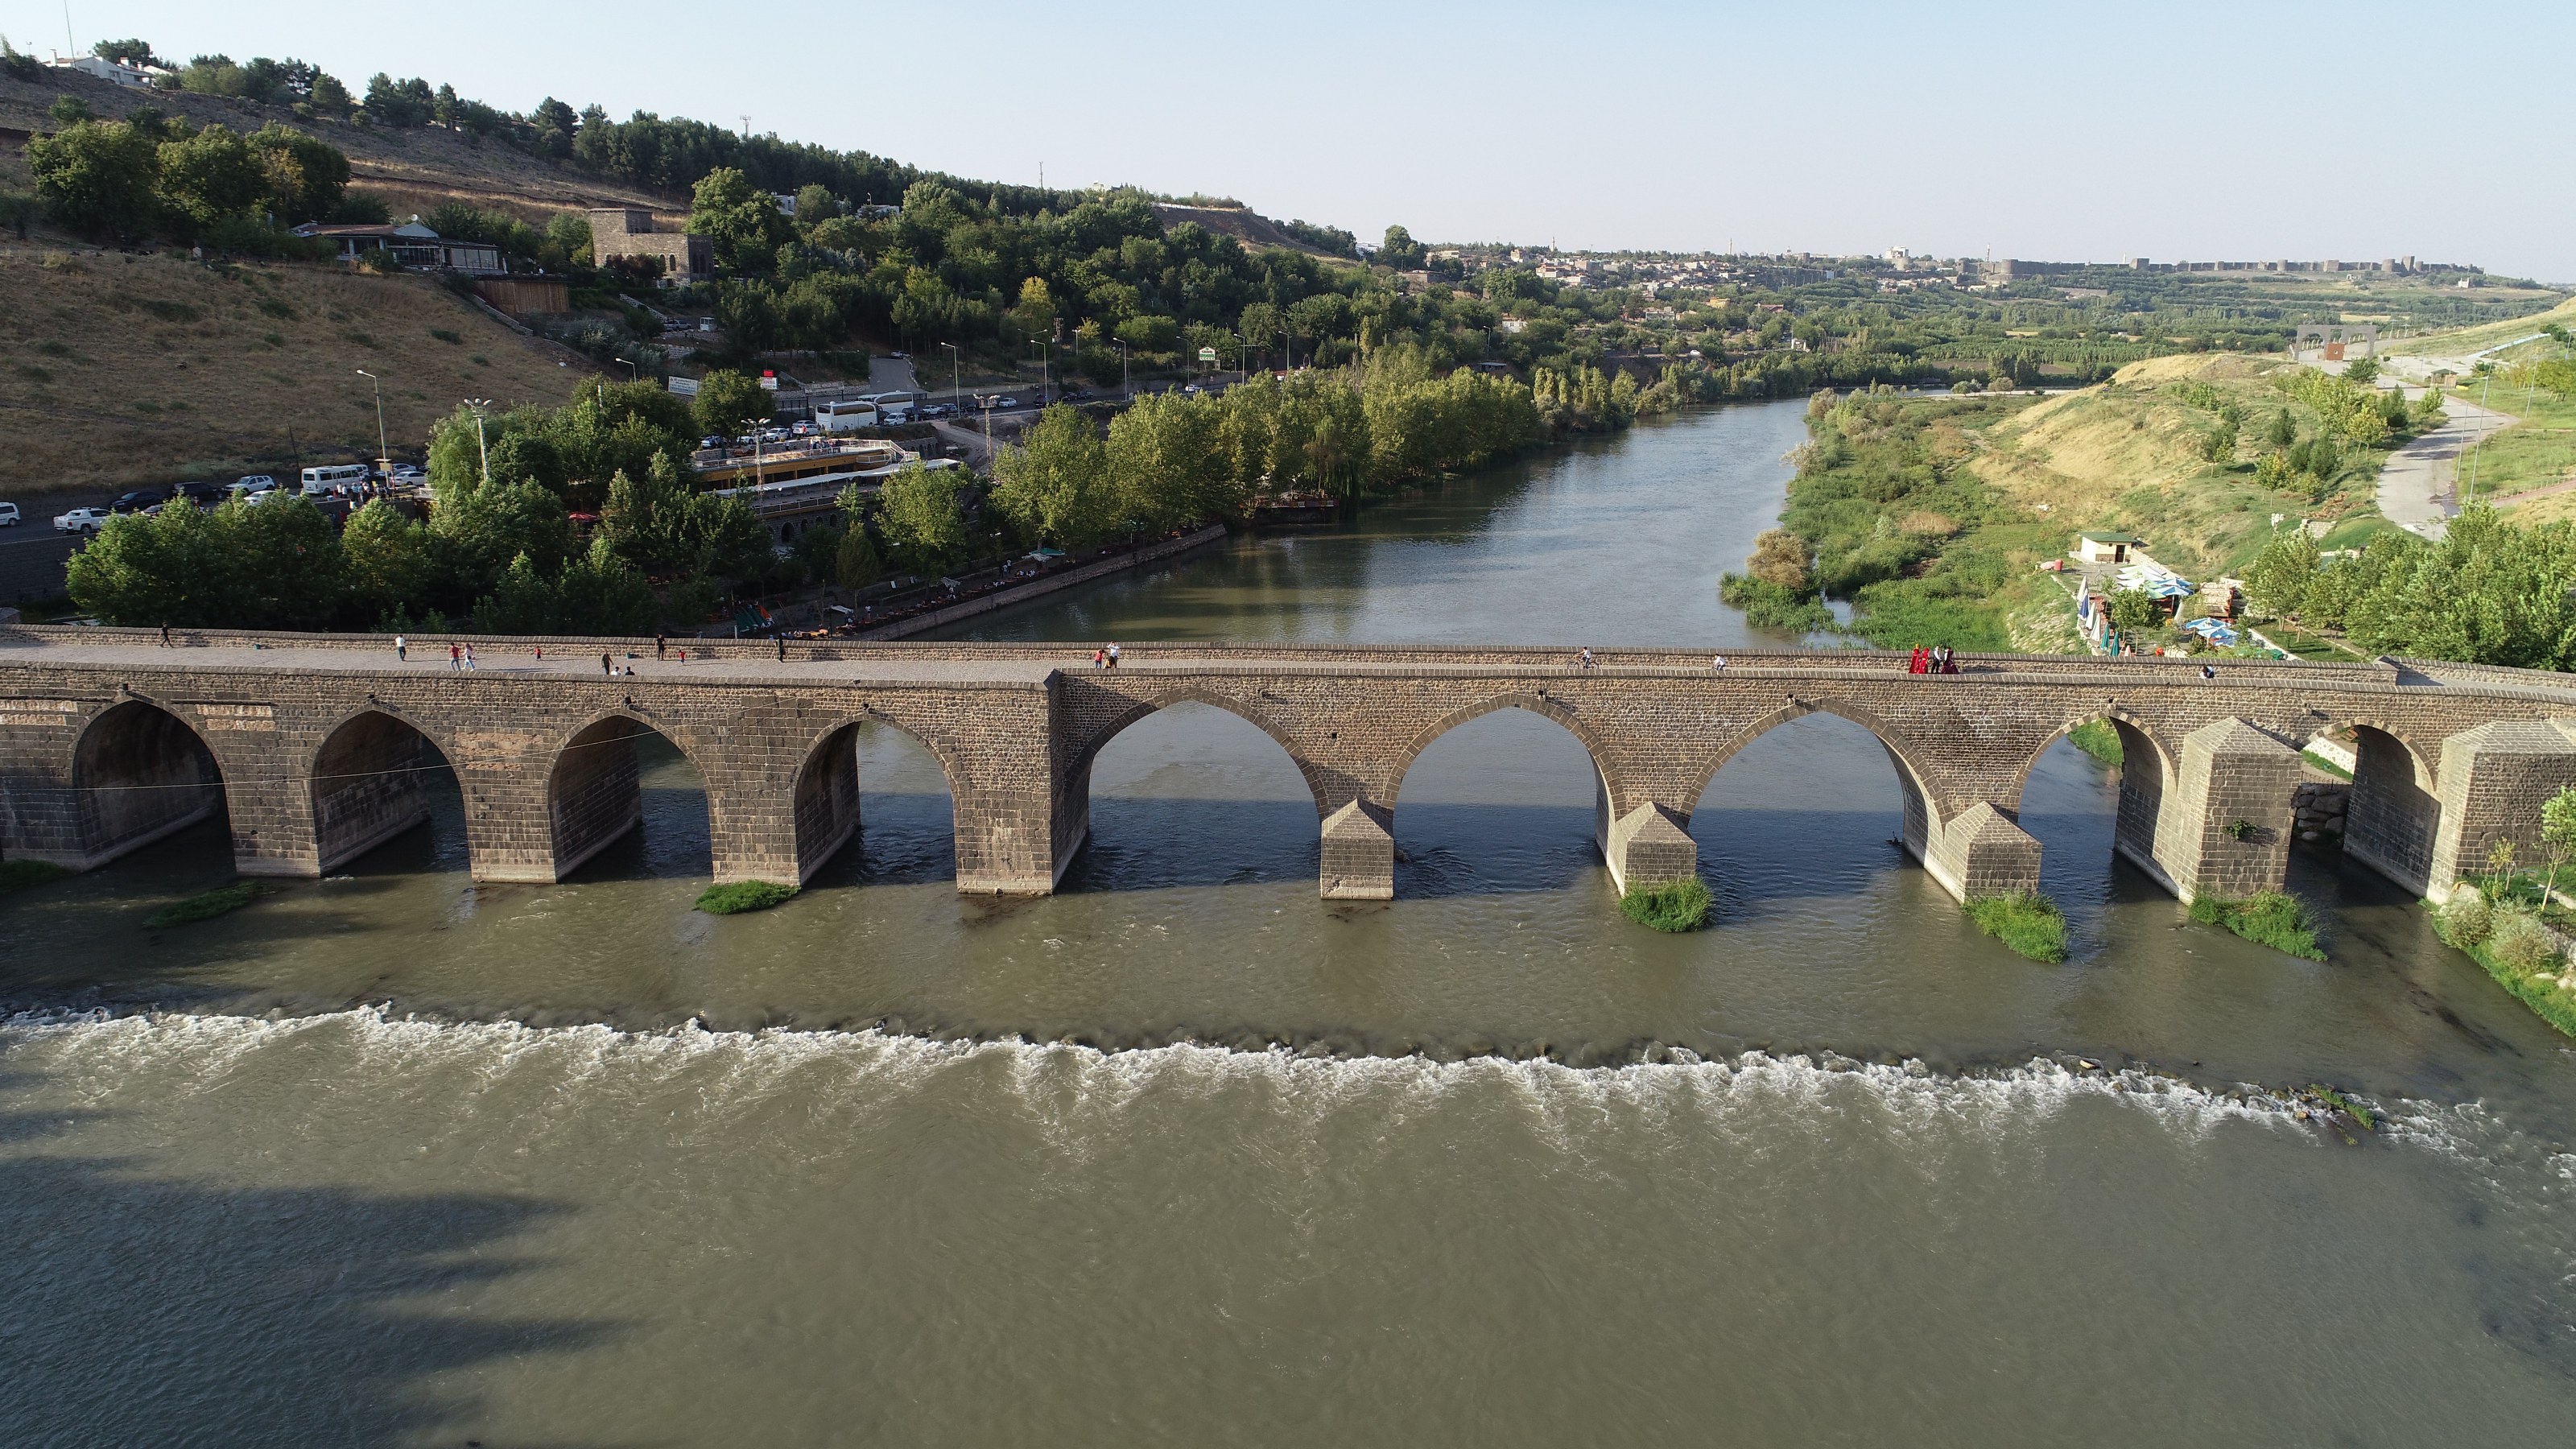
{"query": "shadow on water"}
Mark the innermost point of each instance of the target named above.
(1473, 850)
(171, 1311)
(1148, 844)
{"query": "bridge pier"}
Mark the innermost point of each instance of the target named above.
(1647, 847)
(2222, 825)
(1359, 853)
(2494, 779)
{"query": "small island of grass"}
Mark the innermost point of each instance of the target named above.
(735, 897)
(1676, 906)
(207, 905)
(2267, 918)
(2025, 921)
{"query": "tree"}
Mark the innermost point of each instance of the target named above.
(98, 176)
(730, 403)
(69, 111)
(2283, 430)
(1054, 485)
(743, 221)
(385, 560)
(212, 175)
(125, 52)
(329, 97)
(306, 177)
(1400, 250)
(2558, 834)
(168, 569)
(2135, 612)
(1783, 560)
(2276, 583)
(923, 521)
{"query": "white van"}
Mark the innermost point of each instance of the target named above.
(322, 482)
(8, 515)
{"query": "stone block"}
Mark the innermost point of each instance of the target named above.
(1648, 846)
(2493, 781)
(1359, 853)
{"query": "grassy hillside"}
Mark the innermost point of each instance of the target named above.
(2466, 340)
(2131, 454)
(119, 370)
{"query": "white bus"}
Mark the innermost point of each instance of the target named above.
(321, 482)
(844, 417)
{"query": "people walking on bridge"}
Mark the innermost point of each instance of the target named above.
(2207, 672)
(1113, 656)
(1584, 660)
(1718, 663)
(402, 649)
(1919, 662)
(469, 658)
(604, 666)
(661, 647)
(782, 648)
(165, 636)
(1099, 658)
(455, 659)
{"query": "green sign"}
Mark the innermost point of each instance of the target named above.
(1207, 354)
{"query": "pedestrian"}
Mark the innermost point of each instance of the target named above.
(684, 656)
(1099, 657)
(165, 636)
(1113, 656)
(1718, 664)
(2206, 672)
(469, 658)
(661, 646)
(605, 667)
(402, 649)
(541, 651)
(455, 659)
(1914, 660)
(1585, 658)
(782, 648)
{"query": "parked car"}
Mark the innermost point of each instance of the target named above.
(712, 442)
(406, 474)
(1190, 390)
(196, 492)
(1079, 394)
(8, 515)
(137, 500)
(900, 356)
(253, 486)
(1006, 401)
(82, 520)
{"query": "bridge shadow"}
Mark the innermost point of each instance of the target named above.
(675, 841)
(1502, 804)
(1194, 796)
(155, 1309)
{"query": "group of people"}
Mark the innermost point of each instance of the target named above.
(1940, 659)
(1105, 657)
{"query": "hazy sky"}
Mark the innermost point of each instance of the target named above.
(2070, 131)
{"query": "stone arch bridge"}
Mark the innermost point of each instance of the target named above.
(315, 747)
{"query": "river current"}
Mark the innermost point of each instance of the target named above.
(1184, 1155)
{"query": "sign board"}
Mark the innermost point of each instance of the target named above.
(1207, 354)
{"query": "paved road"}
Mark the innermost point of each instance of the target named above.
(2419, 484)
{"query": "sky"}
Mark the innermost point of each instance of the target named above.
(2177, 130)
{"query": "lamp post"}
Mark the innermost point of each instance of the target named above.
(955, 390)
(1126, 387)
(384, 464)
(634, 373)
(480, 448)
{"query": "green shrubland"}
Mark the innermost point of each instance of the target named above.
(2025, 921)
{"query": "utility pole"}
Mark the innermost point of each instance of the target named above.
(479, 404)
(384, 464)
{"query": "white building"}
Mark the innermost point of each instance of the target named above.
(132, 76)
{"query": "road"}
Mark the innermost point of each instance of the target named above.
(2419, 484)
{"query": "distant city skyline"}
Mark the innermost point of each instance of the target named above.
(2191, 131)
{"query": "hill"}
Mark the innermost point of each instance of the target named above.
(123, 370)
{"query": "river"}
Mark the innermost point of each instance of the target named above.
(1183, 1155)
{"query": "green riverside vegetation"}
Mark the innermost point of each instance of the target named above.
(2025, 921)
(20, 874)
(2268, 918)
(1676, 906)
(207, 905)
(2097, 737)
(2510, 942)
(736, 897)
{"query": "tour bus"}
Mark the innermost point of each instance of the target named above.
(322, 482)
(843, 417)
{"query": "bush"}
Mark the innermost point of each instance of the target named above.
(20, 874)
(1768, 605)
(2267, 918)
(2466, 921)
(206, 907)
(2025, 921)
(1680, 905)
(743, 895)
(2521, 942)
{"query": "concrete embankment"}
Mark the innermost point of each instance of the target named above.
(1051, 584)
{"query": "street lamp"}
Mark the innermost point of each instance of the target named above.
(478, 404)
(384, 464)
(955, 390)
(1126, 388)
(634, 373)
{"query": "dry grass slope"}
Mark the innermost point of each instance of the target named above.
(117, 371)
(2127, 453)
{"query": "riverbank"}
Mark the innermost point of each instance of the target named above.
(1021, 595)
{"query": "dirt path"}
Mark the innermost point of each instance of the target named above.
(2419, 484)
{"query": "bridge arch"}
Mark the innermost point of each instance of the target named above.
(1910, 773)
(594, 785)
(367, 781)
(140, 772)
(2393, 814)
(1163, 699)
(1606, 766)
(1136, 834)
(2140, 741)
(830, 782)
